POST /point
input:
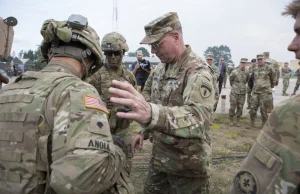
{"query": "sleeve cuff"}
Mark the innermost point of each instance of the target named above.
(156, 119)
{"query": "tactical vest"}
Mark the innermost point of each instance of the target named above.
(25, 155)
(106, 79)
(115, 123)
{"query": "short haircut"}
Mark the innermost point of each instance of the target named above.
(292, 9)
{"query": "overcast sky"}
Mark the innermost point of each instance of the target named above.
(248, 27)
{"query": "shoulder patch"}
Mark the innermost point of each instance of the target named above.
(205, 90)
(94, 103)
(245, 182)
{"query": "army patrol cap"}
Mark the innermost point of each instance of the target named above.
(209, 56)
(156, 29)
(266, 54)
(243, 60)
(260, 56)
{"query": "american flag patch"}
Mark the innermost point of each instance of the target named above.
(94, 103)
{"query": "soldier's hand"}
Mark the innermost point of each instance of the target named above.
(126, 95)
(137, 142)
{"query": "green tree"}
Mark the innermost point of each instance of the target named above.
(131, 54)
(36, 57)
(218, 52)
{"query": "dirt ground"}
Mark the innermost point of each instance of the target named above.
(230, 146)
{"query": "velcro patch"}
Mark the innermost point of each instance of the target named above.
(94, 103)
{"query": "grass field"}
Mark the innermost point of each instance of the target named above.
(230, 145)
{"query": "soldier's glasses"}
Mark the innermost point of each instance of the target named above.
(110, 53)
(156, 45)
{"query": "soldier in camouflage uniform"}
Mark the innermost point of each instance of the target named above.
(177, 108)
(210, 60)
(55, 136)
(238, 82)
(272, 165)
(114, 47)
(226, 76)
(263, 77)
(249, 89)
(286, 75)
(297, 74)
(274, 65)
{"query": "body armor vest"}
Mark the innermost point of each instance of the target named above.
(25, 154)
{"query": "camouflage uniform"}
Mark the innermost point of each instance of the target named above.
(272, 164)
(102, 81)
(226, 76)
(216, 74)
(297, 73)
(54, 127)
(286, 74)
(261, 94)
(249, 90)
(182, 97)
(275, 66)
(238, 80)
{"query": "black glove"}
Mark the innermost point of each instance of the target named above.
(120, 142)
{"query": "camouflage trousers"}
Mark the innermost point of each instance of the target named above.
(285, 83)
(249, 96)
(296, 87)
(262, 100)
(158, 182)
(237, 102)
(124, 184)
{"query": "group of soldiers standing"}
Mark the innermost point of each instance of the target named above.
(64, 129)
(256, 83)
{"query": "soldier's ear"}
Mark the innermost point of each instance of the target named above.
(176, 37)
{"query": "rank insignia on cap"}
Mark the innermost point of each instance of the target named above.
(108, 45)
(94, 103)
(245, 182)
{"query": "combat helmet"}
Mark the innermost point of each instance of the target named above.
(73, 38)
(114, 42)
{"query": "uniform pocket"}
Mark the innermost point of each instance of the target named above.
(258, 172)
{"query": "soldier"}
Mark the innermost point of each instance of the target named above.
(210, 61)
(114, 47)
(55, 136)
(297, 73)
(226, 75)
(263, 77)
(238, 80)
(286, 74)
(177, 108)
(250, 85)
(274, 65)
(272, 164)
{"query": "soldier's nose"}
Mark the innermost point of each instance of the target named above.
(293, 47)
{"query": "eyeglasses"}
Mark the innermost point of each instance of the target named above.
(156, 45)
(110, 53)
(222, 60)
(259, 59)
(209, 59)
